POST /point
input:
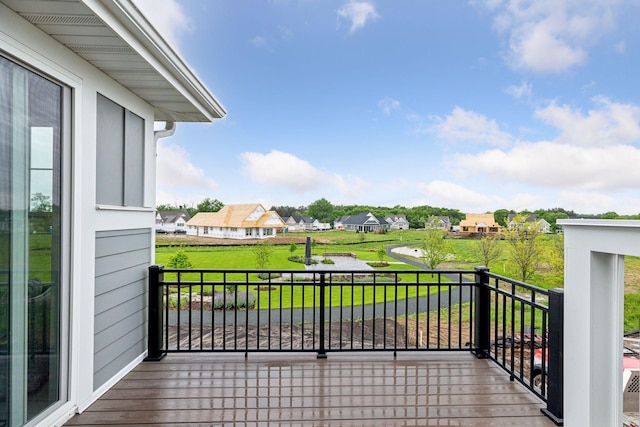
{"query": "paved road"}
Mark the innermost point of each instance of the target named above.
(299, 315)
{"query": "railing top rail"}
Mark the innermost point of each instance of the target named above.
(520, 284)
(314, 271)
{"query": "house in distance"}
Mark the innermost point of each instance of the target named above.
(245, 221)
(172, 221)
(365, 222)
(480, 224)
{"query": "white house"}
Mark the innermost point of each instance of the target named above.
(171, 222)
(81, 84)
(301, 223)
(515, 221)
(397, 222)
(245, 221)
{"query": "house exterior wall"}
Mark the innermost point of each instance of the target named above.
(170, 227)
(399, 225)
(83, 218)
(231, 233)
(122, 260)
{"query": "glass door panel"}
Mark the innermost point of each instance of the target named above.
(30, 245)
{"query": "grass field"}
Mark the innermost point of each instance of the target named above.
(366, 246)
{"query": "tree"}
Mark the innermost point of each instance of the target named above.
(40, 203)
(488, 249)
(556, 255)
(262, 252)
(381, 253)
(435, 247)
(292, 247)
(167, 208)
(179, 260)
(286, 211)
(501, 217)
(525, 246)
(322, 210)
(208, 205)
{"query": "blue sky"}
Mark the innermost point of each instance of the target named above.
(475, 105)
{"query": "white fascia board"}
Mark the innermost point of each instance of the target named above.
(127, 22)
(622, 223)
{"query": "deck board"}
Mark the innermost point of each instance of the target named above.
(297, 389)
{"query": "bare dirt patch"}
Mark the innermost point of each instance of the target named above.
(184, 240)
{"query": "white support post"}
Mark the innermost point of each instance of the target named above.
(593, 325)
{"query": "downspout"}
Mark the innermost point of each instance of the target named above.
(169, 129)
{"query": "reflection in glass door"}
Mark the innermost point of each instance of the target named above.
(30, 244)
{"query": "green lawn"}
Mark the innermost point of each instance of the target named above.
(295, 294)
(366, 246)
(282, 292)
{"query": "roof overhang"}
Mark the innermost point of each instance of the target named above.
(117, 39)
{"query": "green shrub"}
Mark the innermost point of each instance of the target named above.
(230, 301)
(631, 312)
(180, 260)
(300, 259)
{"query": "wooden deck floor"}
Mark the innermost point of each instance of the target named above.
(435, 389)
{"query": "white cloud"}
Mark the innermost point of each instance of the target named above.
(468, 126)
(289, 171)
(282, 169)
(524, 91)
(174, 169)
(611, 123)
(168, 17)
(554, 165)
(551, 35)
(388, 104)
(620, 47)
(583, 201)
(358, 12)
(447, 193)
(261, 42)
(351, 187)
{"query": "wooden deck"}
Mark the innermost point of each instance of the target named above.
(372, 389)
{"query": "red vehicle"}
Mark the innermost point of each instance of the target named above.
(628, 362)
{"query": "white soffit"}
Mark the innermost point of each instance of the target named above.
(116, 38)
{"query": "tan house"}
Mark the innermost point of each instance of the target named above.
(479, 223)
(246, 221)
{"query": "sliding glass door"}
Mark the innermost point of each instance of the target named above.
(31, 116)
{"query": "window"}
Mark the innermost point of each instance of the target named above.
(119, 155)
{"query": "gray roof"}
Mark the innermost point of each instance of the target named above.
(362, 219)
(172, 216)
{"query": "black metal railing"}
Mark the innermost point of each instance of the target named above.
(525, 327)
(516, 325)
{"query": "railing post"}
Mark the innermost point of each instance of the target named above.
(321, 351)
(155, 323)
(482, 314)
(555, 350)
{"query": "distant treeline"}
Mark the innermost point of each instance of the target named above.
(325, 211)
